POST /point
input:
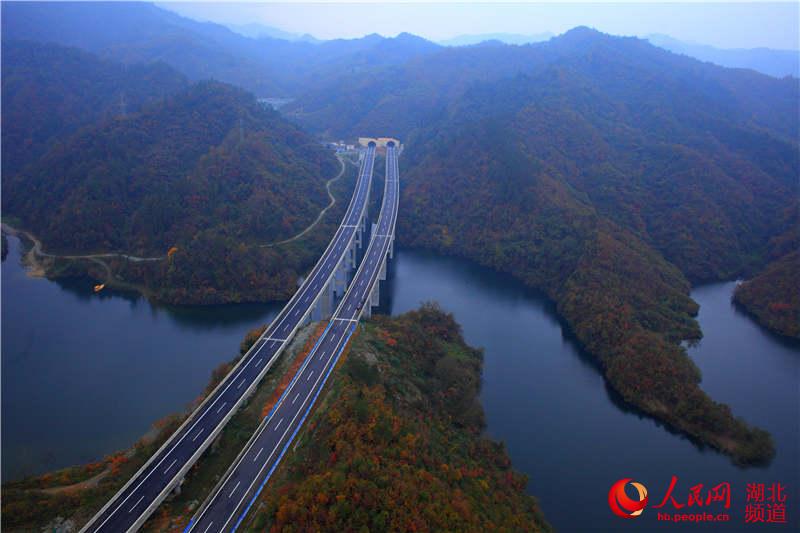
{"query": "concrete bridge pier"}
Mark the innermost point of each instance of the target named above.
(367, 312)
(323, 307)
(382, 274)
(340, 278)
(375, 297)
(350, 257)
(373, 300)
(363, 223)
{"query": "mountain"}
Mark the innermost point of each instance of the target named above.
(772, 296)
(507, 38)
(208, 171)
(136, 32)
(51, 91)
(420, 91)
(254, 30)
(148, 180)
(304, 64)
(604, 171)
(777, 63)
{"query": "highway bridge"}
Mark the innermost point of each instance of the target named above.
(229, 503)
(165, 470)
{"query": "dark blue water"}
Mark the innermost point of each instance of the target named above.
(573, 436)
(87, 374)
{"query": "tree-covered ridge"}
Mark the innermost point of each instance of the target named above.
(203, 172)
(773, 296)
(50, 91)
(396, 444)
(140, 32)
(207, 158)
(705, 191)
(427, 88)
(603, 171)
(492, 202)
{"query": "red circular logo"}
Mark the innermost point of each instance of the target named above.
(624, 506)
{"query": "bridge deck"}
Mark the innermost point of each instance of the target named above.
(231, 500)
(131, 506)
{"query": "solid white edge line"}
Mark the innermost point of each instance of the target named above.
(373, 277)
(213, 497)
(292, 303)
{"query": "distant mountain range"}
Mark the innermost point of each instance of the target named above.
(776, 63)
(507, 38)
(268, 61)
(254, 30)
(137, 32)
(605, 171)
(102, 157)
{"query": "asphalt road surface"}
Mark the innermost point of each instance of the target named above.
(234, 495)
(142, 494)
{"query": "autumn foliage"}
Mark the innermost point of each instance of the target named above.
(396, 444)
(287, 377)
(773, 296)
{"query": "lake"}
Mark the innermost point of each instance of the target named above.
(571, 434)
(85, 374)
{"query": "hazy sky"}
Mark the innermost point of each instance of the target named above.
(726, 25)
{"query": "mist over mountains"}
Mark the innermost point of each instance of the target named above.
(507, 38)
(604, 171)
(776, 63)
(269, 61)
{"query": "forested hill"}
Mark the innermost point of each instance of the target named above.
(773, 296)
(51, 91)
(605, 172)
(140, 32)
(209, 158)
(698, 161)
(425, 89)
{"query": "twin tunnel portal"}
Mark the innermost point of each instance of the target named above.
(330, 292)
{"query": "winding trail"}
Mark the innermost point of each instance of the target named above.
(37, 249)
(321, 213)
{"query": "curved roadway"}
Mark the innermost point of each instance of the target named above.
(230, 501)
(131, 506)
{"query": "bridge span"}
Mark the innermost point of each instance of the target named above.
(164, 471)
(232, 498)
